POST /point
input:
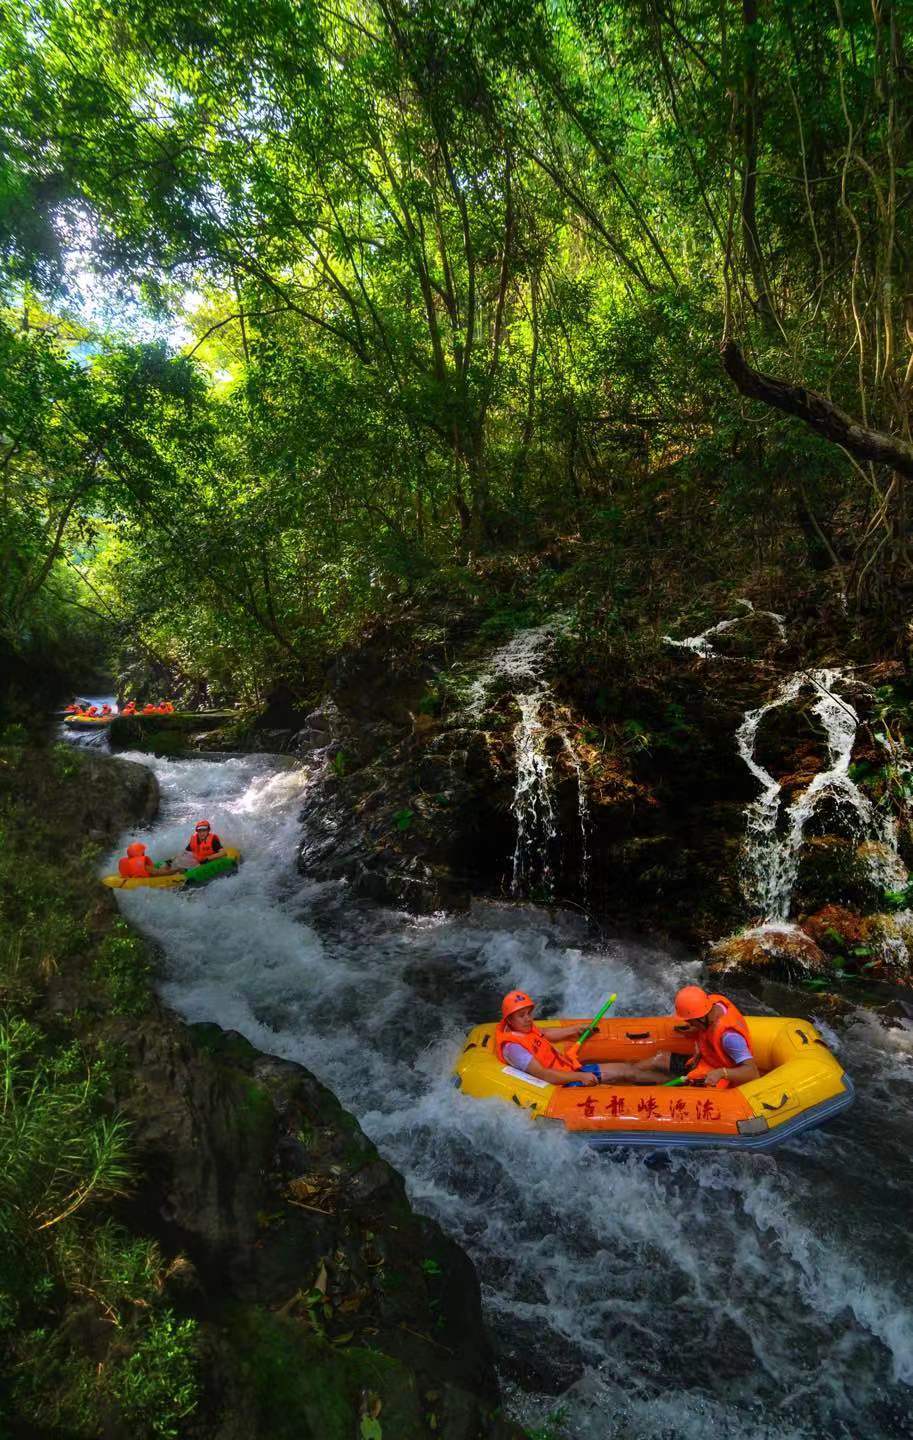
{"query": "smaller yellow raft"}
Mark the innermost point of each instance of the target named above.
(225, 863)
(801, 1084)
(88, 722)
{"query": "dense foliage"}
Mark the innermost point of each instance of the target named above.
(456, 277)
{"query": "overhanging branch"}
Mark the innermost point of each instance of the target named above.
(818, 413)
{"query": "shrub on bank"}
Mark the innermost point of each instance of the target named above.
(91, 1345)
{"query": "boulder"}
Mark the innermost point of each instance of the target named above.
(890, 938)
(835, 928)
(835, 870)
(774, 951)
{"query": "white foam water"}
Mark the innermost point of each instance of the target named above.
(532, 805)
(763, 1295)
(701, 644)
(520, 666)
(775, 834)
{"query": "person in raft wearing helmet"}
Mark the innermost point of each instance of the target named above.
(136, 864)
(722, 1050)
(519, 1042)
(204, 844)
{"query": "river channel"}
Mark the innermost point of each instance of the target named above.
(635, 1298)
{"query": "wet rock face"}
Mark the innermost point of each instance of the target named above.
(415, 805)
(277, 1201)
(424, 823)
(111, 794)
(835, 869)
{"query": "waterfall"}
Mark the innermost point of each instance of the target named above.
(700, 644)
(774, 840)
(532, 803)
(520, 665)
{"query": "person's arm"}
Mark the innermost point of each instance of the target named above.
(216, 843)
(565, 1032)
(743, 1068)
(561, 1077)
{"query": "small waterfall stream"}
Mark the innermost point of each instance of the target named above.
(520, 667)
(701, 644)
(775, 835)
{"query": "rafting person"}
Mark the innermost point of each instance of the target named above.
(520, 1043)
(722, 1050)
(204, 844)
(136, 864)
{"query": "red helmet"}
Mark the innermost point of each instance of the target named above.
(692, 1003)
(513, 1001)
(202, 825)
(137, 848)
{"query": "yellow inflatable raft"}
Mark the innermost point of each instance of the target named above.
(225, 863)
(801, 1084)
(88, 722)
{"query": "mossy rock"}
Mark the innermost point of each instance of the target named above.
(775, 952)
(129, 732)
(835, 928)
(833, 870)
(890, 938)
(304, 1388)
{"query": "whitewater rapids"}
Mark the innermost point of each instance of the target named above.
(764, 1296)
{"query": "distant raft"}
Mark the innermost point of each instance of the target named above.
(802, 1084)
(87, 722)
(225, 863)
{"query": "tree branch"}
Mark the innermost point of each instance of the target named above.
(818, 413)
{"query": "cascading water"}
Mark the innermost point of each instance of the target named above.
(774, 839)
(761, 1295)
(520, 665)
(701, 645)
(532, 803)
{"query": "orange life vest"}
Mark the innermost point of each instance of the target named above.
(710, 1041)
(203, 849)
(132, 867)
(536, 1043)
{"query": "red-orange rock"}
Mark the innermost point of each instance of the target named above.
(834, 928)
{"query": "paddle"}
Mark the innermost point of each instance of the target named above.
(572, 1050)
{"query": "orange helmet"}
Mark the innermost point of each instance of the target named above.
(137, 848)
(692, 1003)
(515, 1000)
(202, 825)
